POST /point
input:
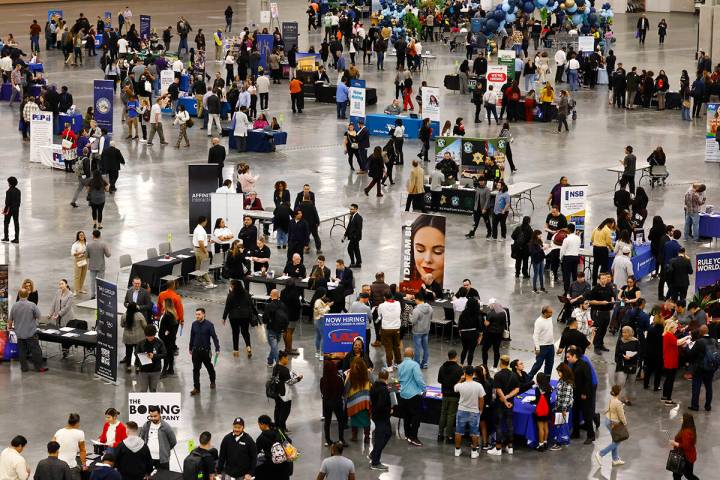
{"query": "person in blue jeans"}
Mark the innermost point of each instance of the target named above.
(694, 200)
(537, 259)
(276, 321)
(341, 98)
(500, 209)
(470, 405)
(320, 307)
(614, 414)
(544, 340)
(420, 320)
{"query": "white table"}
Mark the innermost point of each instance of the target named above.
(521, 191)
(643, 168)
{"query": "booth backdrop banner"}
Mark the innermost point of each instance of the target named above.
(422, 251)
(41, 134)
(170, 405)
(145, 26)
(264, 45)
(306, 61)
(4, 308)
(712, 147)
(202, 181)
(104, 96)
(573, 202)
(497, 76)
(166, 79)
(106, 326)
(290, 34)
(54, 15)
(228, 206)
(107, 19)
(707, 269)
(339, 330)
(470, 153)
(357, 100)
(431, 103)
(507, 58)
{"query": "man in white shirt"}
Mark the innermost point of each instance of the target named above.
(226, 187)
(263, 89)
(177, 66)
(122, 44)
(572, 75)
(389, 317)
(622, 268)
(570, 256)
(12, 465)
(560, 60)
(201, 244)
(242, 123)
(582, 315)
(155, 121)
(72, 445)
(544, 341)
(490, 99)
(470, 405)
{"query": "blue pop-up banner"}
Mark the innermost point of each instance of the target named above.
(340, 329)
(145, 26)
(103, 100)
(707, 269)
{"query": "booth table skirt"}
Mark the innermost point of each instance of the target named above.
(379, 124)
(257, 140)
(190, 105)
(75, 121)
(151, 270)
(6, 91)
(35, 67)
(709, 226)
(34, 90)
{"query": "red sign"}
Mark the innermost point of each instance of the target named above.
(497, 77)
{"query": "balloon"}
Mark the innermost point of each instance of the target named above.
(510, 18)
(491, 25)
(506, 7)
(572, 9)
(577, 19)
(562, 6)
(542, 3)
(569, 3)
(499, 15)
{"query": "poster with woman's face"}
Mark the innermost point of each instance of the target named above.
(423, 251)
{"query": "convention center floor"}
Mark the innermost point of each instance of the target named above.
(152, 202)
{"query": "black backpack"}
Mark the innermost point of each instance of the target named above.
(711, 361)
(193, 466)
(273, 387)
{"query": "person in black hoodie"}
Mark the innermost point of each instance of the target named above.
(469, 327)
(332, 389)
(520, 249)
(238, 453)
(269, 435)
(449, 374)
(240, 308)
(582, 394)
(132, 456)
(653, 354)
(381, 411)
(12, 207)
(168, 335)
(311, 217)
(155, 349)
(290, 296)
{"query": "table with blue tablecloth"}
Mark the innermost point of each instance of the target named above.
(35, 67)
(34, 90)
(263, 141)
(380, 124)
(642, 260)
(190, 104)
(6, 91)
(75, 120)
(709, 225)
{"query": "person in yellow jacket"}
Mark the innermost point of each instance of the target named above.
(547, 95)
(416, 188)
(602, 243)
(217, 37)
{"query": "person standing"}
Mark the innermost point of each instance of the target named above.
(23, 319)
(629, 162)
(12, 210)
(353, 233)
(363, 140)
(240, 308)
(416, 188)
(336, 466)
(154, 350)
(132, 456)
(643, 25)
(500, 210)
(569, 256)
(412, 389)
(216, 155)
(276, 320)
(703, 349)
(181, 119)
(156, 125)
(420, 320)
(448, 376)
(694, 200)
(602, 298)
(201, 242)
(238, 453)
(50, 468)
(201, 333)
(110, 161)
(614, 414)
(583, 404)
(685, 441)
(283, 402)
(72, 445)
(389, 318)
(12, 464)
(97, 251)
(241, 126)
(678, 276)
(506, 387)
(470, 405)
(544, 340)
(381, 410)
(159, 437)
(662, 31)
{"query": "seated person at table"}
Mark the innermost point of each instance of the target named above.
(294, 268)
(320, 268)
(448, 167)
(317, 280)
(248, 233)
(343, 277)
(321, 75)
(274, 124)
(394, 108)
(259, 254)
(431, 288)
(467, 290)
(260, 122)
(251, 202)
(223, 235)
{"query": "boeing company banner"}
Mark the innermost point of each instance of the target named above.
(103, 100)
(169, 404)
(202, 181)
(340, 329)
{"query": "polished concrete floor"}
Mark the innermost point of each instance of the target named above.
(152, 201)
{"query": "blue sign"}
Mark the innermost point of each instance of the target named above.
(340, 329)
(380, 124)
(145, 26)
(107, 18)
(707, 269)
(357, 101)
(103, 101)
(265, 47)
(54, 13)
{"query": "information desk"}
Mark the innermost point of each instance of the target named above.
(380, 124)
(709, 225)
(643, 261)
(326, 94)
(523, 420)
(71, 337)
(75, 121)
(153, 269)
(263, 141)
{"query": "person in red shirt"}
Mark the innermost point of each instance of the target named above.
(113, 431)
(685, 442)
(671, 353)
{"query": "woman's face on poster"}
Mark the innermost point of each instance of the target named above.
(429, 252)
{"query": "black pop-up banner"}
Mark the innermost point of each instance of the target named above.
(202, 181)
(106, 327)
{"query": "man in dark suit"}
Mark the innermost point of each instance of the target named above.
(140, 297)
(298, 235)
(110, 161)
(12, 210)
(343, 277)
(300, 195)
(353, 233)
(216, 155)
(363, 141)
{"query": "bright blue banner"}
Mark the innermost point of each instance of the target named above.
(264, 45)
(103, 101)
(707, 269)
(54, 13)
(340, 329)
(144, 26)
(107, 18)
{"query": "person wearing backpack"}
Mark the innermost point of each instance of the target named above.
(283, 377)
(272, 461)
(705, 356)
(201, 463)
(83, 171)
(238, 453)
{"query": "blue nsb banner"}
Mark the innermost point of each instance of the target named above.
(707, 269)
(340, 329)
(103, 101)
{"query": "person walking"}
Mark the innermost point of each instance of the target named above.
(704, 355)
(627, 353)
(240, 309)
(182, 119)
(353, 234)
(276, 322)
(169, 324)
(469, 329)
(643, 25)
(152, 351)
(11, 210)
(412, 389)
(97, 252)
(381, 411)
(614, 415)
(662, 31)
(376, 169)
(544, 340)
(23, 319)
(416, 188)
(156, 125)
(110, 161)
(685, 441)
(133, 323)
(671, 355)
(389, 318)
(97, 187)
(201, 332)
(283, 401)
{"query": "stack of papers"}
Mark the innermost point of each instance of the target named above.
(183, 256)
(67, 329)
(50, 331)
(91, 332)
(165, 259)
(70, 334)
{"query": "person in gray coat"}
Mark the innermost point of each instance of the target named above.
(482, 208)
(563, 111)
(133, 323)
(23, 319)
(61, 310)
(420, 320)
(97, 251)
(161, 441)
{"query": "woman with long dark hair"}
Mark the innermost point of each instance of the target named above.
(494, 324)
(331, 389)
(657, 232)
(469, 328)
(240, 309)
(685, 441)
(168, 334)
(537, 259)
(357, 398)
(97, 187)
(269, 436)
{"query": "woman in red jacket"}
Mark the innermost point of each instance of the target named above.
(671, 353)
(113, 431)
(685, 442)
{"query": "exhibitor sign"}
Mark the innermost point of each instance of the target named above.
(707, 269)
(340, 329)
(169, 404)
(573, 201)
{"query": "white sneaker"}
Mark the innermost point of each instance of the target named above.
(495, 452)
(473, 454)
(509, 450)
(458, 452)
(210, 285)
(597, 458)
(617, 463)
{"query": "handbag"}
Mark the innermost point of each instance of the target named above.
(291, 453)
(675, 462)
(686, 103)
(619, 432)
(81, 263)
(11, 347)
(354, 146)
(560, 418)
(66, 143)
(189, 123)
(506, 331)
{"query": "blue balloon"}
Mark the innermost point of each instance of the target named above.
(592, 19)
(528, 7)
(499, 15)
(577, 19)
(579, 3)
(491, 25)
(510, 17)
(541, 3)
(572, 9)
(506, 7)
